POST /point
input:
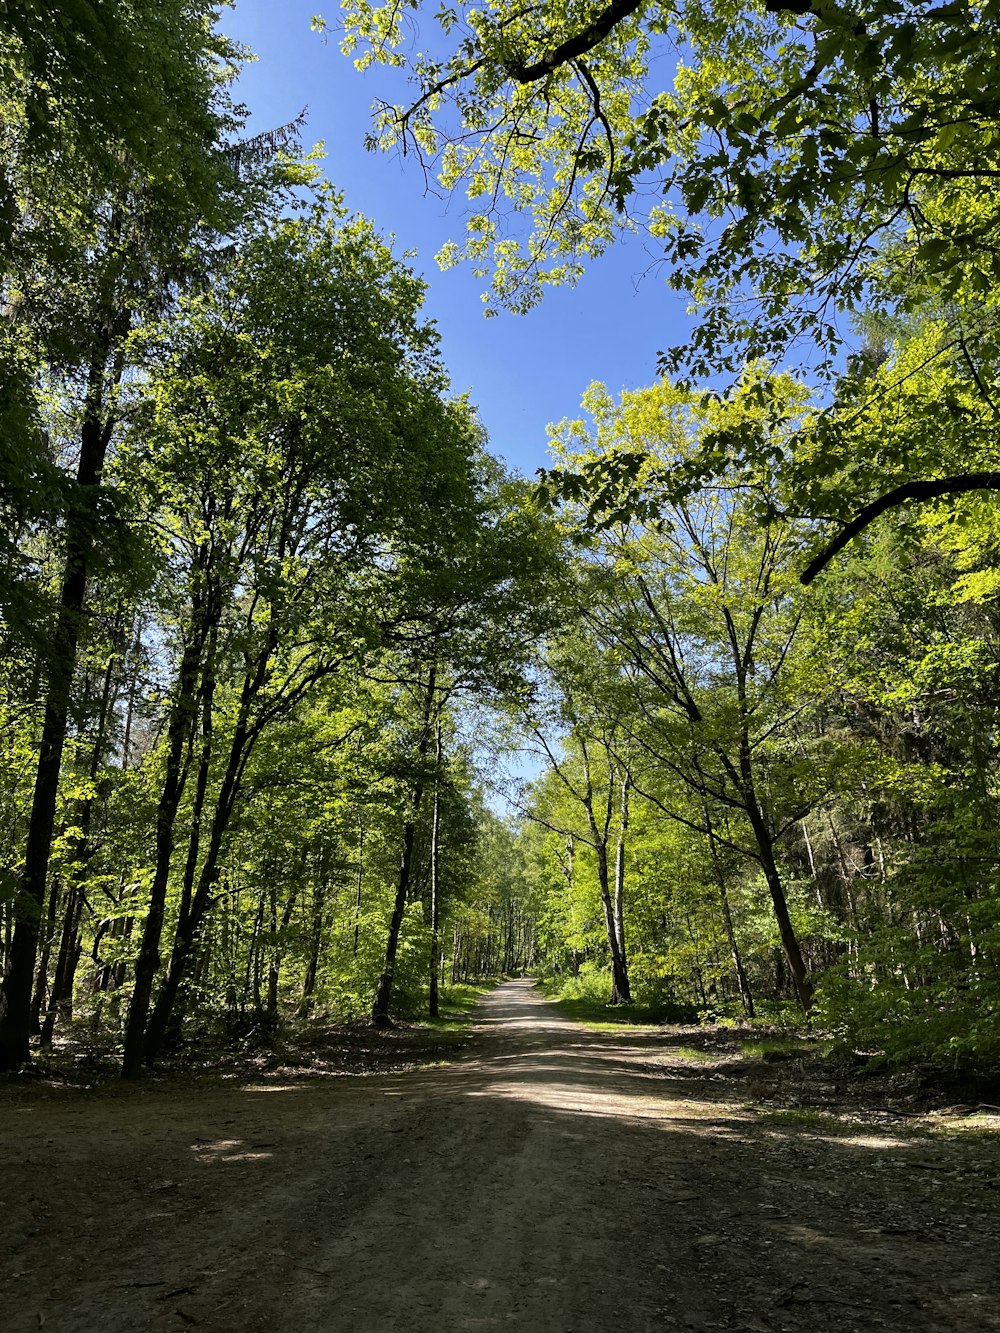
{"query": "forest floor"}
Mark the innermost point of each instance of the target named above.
(535, 1175)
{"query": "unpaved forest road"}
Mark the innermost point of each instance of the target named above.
(560, 1180)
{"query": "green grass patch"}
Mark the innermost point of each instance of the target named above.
(456, 1003)
(584, 999)
(688, 1053)
(784, 1048)
(606, 1017)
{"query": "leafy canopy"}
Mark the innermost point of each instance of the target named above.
(777, 151)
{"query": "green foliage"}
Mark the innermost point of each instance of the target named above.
(792, 151)
(304, 587)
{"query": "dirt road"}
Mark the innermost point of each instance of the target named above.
(558, 1180)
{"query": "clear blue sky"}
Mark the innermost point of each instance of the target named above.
(522, 371)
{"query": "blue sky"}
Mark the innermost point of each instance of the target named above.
(522, 371)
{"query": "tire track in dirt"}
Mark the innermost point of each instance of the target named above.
(560, 1180)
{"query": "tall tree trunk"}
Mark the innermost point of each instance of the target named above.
(189, 923)
(39, 997)
(252, 980)
(620, 871)
(315, 940)
(15, 993)
(189, 926)
(742, 983)
(621, 992)
(278, 931)
(359, 885)
(435, 958)
(60, 1001)
(765, 853)
(179, 727)
(61, 998)
(789, 941)
(383, 991)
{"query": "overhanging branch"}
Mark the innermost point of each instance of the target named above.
(910, 490)
(575, 46)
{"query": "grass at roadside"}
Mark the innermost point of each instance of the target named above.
(589, 1007)
(784, 1048)
(456, 1004)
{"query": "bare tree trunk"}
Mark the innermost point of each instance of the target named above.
(435, 958)
(359, 885)
(383, 991)
(182, 715)
(16, 990)
(742, 983)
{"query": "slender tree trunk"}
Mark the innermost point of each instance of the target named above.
(179, 727)
(765, 850)
(359, 885)
(60, 1001)
(435, 958)
(61, 998)
(278, 930)
(742, 983)
(245, 736)
(15, 993)
(252, 979)
(383, 991)
(315, 943)
(42, 969)
(698, 970)
(620, 990)
(789, 941)
(188, 928)
(620, 872)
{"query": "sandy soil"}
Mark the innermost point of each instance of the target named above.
(553, 1179)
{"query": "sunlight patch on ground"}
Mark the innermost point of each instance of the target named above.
(574, 1099)
(848, 1140)
(271, 1087)
(229, 1150)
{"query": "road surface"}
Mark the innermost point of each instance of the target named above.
(558, 1180)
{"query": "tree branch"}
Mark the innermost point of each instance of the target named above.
(910, 490)
(575, 46)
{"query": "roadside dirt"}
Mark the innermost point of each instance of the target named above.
(550, 1179)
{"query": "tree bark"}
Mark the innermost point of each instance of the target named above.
(620, 870)
(383, 991)
(16, 990)
(789, 941)
(742, 983)
(435, 957)
(182, 714)
(621, 992)
(60, 1000)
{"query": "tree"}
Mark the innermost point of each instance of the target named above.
(813, 161)
(701, 615)
(592, 777)
(295, 412)
(128, 242)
